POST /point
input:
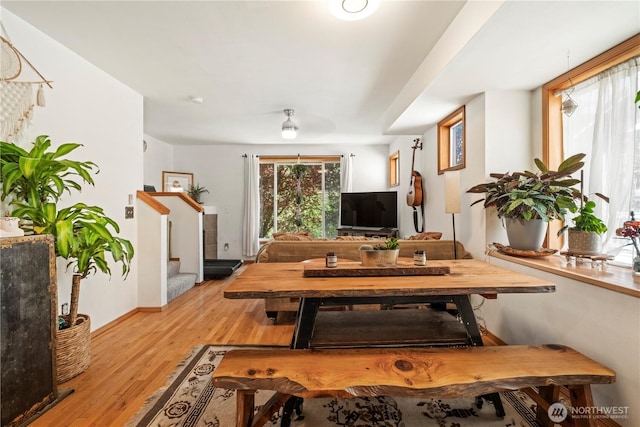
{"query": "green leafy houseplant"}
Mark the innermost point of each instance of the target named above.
(527, 195)
(83, 234)
(586, 220)
(195, 191)
(391, 243)
(380, 254)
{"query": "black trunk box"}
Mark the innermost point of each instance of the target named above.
(220, 268)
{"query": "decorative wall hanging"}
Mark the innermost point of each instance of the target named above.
(16, 97)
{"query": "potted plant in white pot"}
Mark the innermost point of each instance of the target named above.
(380, 254)
(83, 234)
(528, 201)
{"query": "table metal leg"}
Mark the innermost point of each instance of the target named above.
(302, 334)
(305, 322)
(463, 302)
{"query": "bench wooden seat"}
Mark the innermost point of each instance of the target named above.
(408, 372)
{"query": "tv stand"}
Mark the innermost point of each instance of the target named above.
(368, 232)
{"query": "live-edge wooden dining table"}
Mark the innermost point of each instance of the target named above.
(466, 277)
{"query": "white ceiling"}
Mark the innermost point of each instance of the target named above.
(360, 82)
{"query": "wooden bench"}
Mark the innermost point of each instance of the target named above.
(408, 372)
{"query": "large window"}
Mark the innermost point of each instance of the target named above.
(605, 126)
(299, 196)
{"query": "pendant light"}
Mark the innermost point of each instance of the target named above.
(289, 127)
(569, 105)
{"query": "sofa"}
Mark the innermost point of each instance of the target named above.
(344, 248)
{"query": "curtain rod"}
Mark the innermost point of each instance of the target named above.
(299, 156)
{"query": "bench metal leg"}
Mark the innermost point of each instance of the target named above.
(294, 404)
(463, 303)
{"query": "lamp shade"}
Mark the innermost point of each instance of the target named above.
(452, 192)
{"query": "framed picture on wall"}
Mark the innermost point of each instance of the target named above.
(176, 181)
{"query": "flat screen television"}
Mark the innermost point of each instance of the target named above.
(377, 209)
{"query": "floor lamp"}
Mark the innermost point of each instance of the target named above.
(452, 201)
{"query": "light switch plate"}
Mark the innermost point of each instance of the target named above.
(128, 212)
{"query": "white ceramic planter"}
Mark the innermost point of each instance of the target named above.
(382, 257)
(526, 235)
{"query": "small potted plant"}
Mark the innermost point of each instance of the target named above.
(195, 191)
(584, 238)
(529, 200)
(380, 254)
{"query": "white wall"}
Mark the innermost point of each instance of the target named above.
(157, 158)
(185, 235)
(152, 257)
(220, 168)
(90, 107)
(404, 145)
(503, 134)
(598, 322)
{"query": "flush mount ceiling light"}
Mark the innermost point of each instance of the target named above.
(289, 127)
(352, 10)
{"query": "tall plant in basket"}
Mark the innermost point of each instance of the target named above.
(35, 180)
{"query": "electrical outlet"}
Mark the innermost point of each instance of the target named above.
(65, 309)
(226, 246)
(128, 212)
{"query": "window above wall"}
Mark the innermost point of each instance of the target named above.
(451, 142)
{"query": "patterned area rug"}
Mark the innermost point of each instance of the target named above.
(189, 400)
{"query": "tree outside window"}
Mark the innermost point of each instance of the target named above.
(299, 197)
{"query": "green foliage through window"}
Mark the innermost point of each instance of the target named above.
(299, 197)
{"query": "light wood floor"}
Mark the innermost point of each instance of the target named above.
(132, 359)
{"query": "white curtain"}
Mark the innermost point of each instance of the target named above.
(603, 127)
(346, 173)
(251, 224)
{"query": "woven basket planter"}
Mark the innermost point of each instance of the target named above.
(73, 349)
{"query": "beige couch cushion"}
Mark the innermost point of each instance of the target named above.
(296, 251)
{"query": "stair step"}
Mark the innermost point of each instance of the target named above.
(179, 284)
(173, 268)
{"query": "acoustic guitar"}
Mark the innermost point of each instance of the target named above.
(414, 195)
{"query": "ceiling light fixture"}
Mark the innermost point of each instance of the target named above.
(289, 127)
(569, 105)
(352, 10)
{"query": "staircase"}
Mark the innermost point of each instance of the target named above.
(178, 283)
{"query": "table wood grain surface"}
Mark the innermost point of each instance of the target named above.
(286, 280)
